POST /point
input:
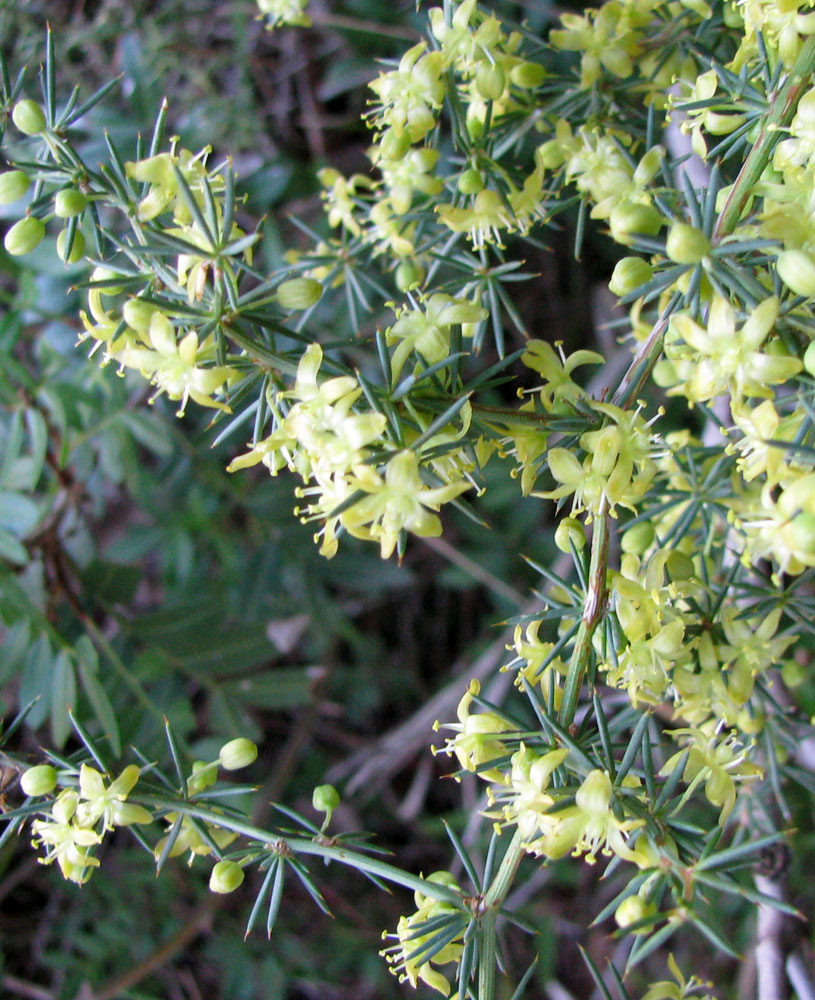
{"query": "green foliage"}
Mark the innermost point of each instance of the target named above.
(156, 596)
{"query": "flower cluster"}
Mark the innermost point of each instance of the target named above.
(322, 439)
(411, 959)
(79, 818)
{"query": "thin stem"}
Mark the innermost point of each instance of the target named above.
(781, 113)
(494, 897)
(299, 845)
(593, 611)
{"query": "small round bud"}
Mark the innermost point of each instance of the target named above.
(797, 270)
(750, 723)
(627, 219)
(28, 117)
(490, 82)
(237, 754)
(68, 203)
(630, 273)
(793, 673)
(570, 530)
(686, 244)
(471, 182)
(325, 798)
(39, 780)
(637, 538)
(203, 776)
(802, 533)
(24, 236)
(138, 314)
(299, 293)
(809, 358)
(77, 249)
(226, 876)
(13, 185)
(408, 275)
(527, 74)
(394, 145)
(632, 910)
(680, 566)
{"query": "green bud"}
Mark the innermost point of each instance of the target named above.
(686, 244)
(77, 249)
(570, 530)
(632, 910)
(28, 117)
(630, 273)
(226, 876)
(802, 531)
(394, 145)
(809, 358)
(749, 722)
(627, 219)
(138, 314)
(203, 776)
(527, 74)
(69, 203)
(325, 798)
(471, 182)
(299, 293)
(638, 538)
(797, 270)
(237, 754)
(13, 185)
(24, 236)
(680, 566)
(793, 673)
(490, 82)
(408, 275)
(39, 780)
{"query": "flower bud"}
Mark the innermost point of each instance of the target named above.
(570, 530)
(797, 270)
(226, 876)
(686, 244)
(39, 780)
(68, 203)
(299, 293)
(394, 145)
(24, 236)
(680, 566)
(750, 723)
(13, 185)
(325, 798)
(809, 358)
(28, 117)
(630, 273)
(77, 248)
(627, 219)
(637, 538)
(527, 74)
(408, 275)
(632, 910)
(793, 673)
(649, 165)
(802, 533)
(138, 314)
(203, 776)
(471, 182)
(490, 82)
(237, 754)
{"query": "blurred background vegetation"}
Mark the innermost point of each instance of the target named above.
(139, 580)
